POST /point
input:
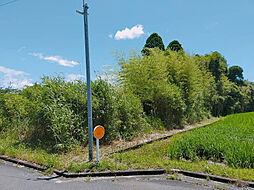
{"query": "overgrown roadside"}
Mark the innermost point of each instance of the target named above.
(152, 98)
(224, 148)
(150, 156)
(78, 156)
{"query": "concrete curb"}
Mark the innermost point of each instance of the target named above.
(23, 163)
(158, 139)
(114, 173)
(129, 172)
(212, 177)
(84, 174)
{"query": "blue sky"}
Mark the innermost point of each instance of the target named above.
(46, 37)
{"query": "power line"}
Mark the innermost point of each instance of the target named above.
(8, 3)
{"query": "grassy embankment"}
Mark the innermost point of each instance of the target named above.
(12, 146)
(225, 148)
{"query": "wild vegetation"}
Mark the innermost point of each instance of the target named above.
(176, 88)
(160, 88)
(54, 113)
(224, 148)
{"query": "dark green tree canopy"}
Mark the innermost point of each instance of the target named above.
(153, 41)
(217, 65)
(235, 74)
(175, 46)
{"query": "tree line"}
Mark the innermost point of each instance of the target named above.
(178, 88)
(161, 88)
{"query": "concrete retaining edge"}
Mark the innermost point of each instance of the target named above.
(23, 163)
(114, 173)
(128, 172)
(158, 139)
(212, 177)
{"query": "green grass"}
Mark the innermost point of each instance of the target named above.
(156, 156)
(10, 146)
(230, 140)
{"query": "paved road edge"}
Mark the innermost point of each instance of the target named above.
(128, 172)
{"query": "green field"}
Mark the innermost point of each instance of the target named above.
(230, 141)
(225, 148)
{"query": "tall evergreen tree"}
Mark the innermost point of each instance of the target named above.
(175, 46)
(153, 41)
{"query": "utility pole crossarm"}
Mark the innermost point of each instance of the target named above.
(80, 12)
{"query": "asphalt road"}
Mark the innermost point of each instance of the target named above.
(20, 178)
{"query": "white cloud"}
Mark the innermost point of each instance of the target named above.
(73, 77)
(16, 83)
(11, 72)
(108, 68)
(134, 32)
(56, 59)
(14, 79)
(110, 35)
(109, 75)
(110, 78)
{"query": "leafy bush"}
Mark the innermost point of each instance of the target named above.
(14, 113)
(170, 86)
(162, 89)
(118, 110)
(54, 113)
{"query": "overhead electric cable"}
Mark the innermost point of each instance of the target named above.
(8, 3)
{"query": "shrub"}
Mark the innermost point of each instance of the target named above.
(54, 113)
(118, 110)
(170, 86)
